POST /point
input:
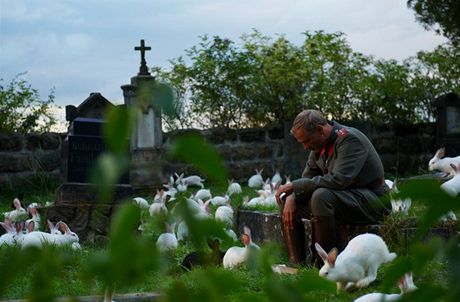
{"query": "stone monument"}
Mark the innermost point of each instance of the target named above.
(146, 138)
(76, 200)
(448, 123)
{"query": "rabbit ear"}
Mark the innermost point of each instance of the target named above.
(440, 153)
(247, 231)
(50, 225)
(5, 226)
(322, 253)
(64, 227)
(332, 256)
(31, 226)
(278, 184)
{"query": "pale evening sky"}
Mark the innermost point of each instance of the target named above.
(82, 46)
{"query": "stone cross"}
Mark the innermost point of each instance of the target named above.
(143, 70)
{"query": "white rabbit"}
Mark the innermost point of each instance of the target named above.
(17, 212)
(224, 215)
(231, 233)
(452, 187)
(405, 284)
(167, 241)
(32, 209)
(233, 188)
(158, 208)
(267, 185)
(171, 192)
(141, 202)
(193, 180)
(441, 163)
(358, 263)
(198, 207)
(276, 178)
(253, 202)
(9, 237)
(398, 205)
(181, 187)
(270, 200)
(288, 179)
(220, 200)
(160, 196)
(182, 231)
(203, 194)
(238, 255)
(256, 181)
(38, 238)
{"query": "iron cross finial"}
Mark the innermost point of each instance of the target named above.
(143, 69)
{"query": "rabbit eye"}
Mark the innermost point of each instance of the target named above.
(326, 273)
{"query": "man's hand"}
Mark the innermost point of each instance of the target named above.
(289, 211)
(287, 189)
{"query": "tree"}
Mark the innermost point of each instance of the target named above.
(442, 15)
(267, 81)
(22, 110)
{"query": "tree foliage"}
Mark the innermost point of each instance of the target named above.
(22, 110)
(262, 81)
(442, 16)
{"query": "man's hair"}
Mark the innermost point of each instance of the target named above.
(308, 120)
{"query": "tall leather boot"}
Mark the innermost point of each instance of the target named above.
(295, 242)
(325, 233)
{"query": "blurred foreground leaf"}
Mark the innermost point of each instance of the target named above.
(193, 149)
(200, 229)
(117, 129)
(159, 95)
(212, 285)
(129, 256)
(437, 201)
(301, 288)
(108, 170)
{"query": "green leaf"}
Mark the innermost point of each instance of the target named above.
(107, 171)
(193, 149)
(159, 95)
(438, 202)
(117, 129)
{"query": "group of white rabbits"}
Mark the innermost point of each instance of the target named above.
(27, 233)
(199, 203)
(450, 169)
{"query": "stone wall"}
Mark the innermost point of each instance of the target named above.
(28, 158)
(403, 148)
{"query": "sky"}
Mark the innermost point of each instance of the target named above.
(80, 46)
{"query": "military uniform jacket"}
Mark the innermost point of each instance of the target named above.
(348, 161)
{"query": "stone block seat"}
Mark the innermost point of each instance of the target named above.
(266, 226)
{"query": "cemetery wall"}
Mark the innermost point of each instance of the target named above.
(404, 149)
(28, 159)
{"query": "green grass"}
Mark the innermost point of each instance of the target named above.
(241, 284)
(251, 283)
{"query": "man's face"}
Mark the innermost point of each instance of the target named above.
(310, 141)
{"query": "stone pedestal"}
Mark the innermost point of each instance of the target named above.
(77, 204)
(146, 173)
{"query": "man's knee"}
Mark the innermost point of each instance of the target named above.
(322, 201)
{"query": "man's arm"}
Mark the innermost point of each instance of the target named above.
(351, 156)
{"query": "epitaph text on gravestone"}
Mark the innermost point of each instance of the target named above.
(85, 144)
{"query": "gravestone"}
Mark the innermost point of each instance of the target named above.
(448, 123)
(146, 138)
(76, 200)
